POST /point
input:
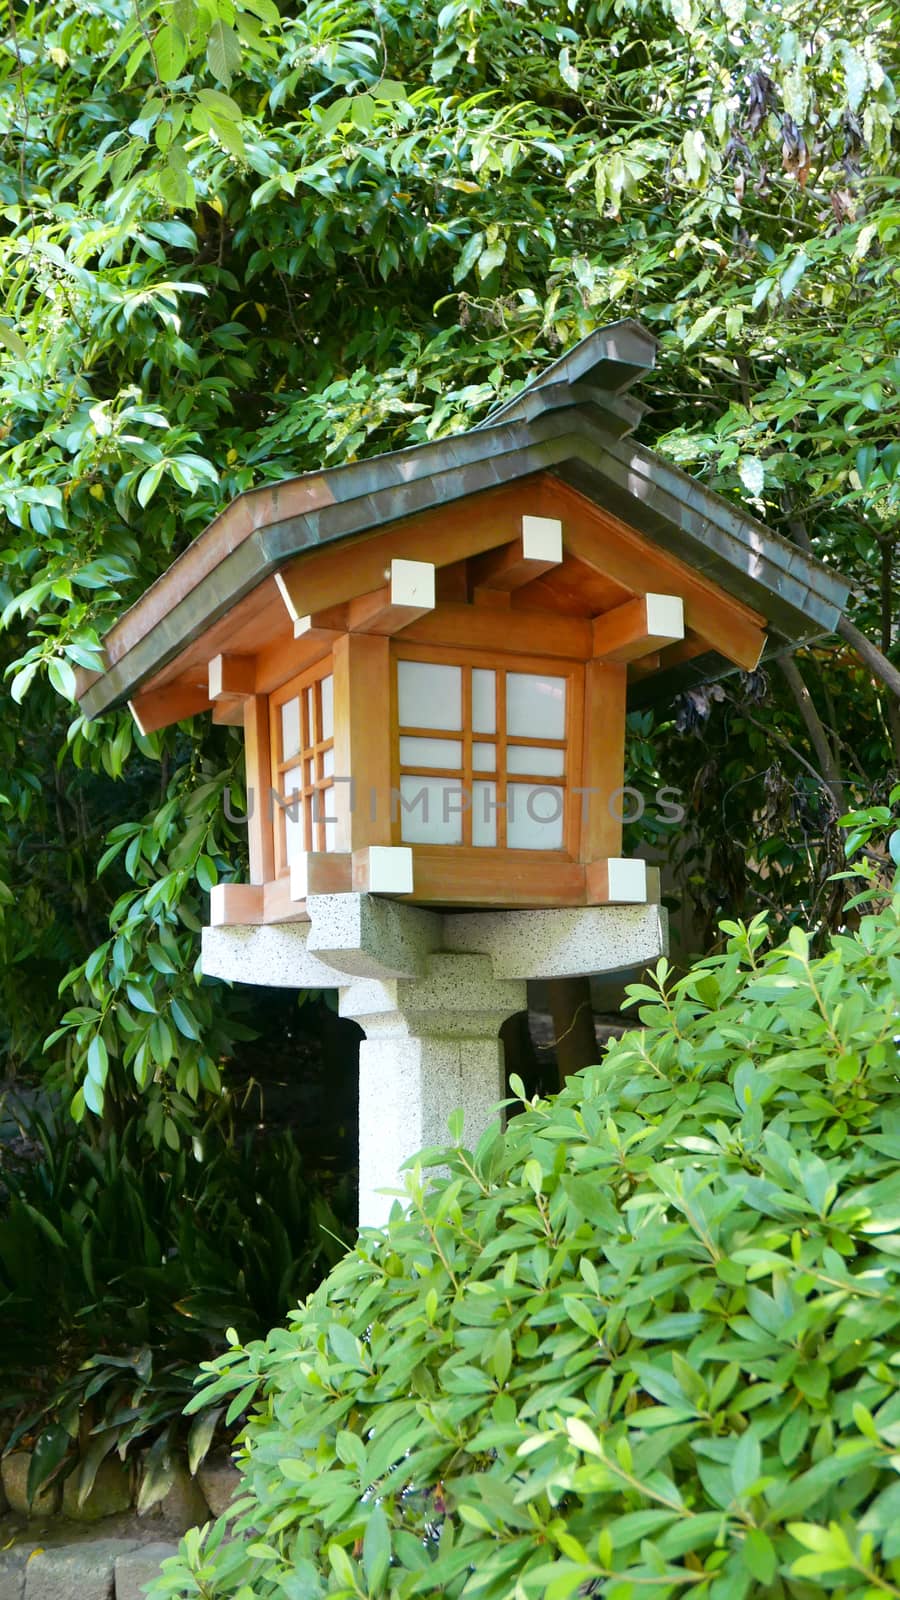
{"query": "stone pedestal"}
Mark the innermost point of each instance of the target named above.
(431, 1047)
(430, 990)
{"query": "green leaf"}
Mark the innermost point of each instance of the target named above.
(746, 1465)
(759, 1556)
(92, 1095)
(12, 341)
(170, 53)
(223, 52)
(149, 481)
(62, 677)
(184, 1019)
(792, 274)
(468, 257)
(207, 876)
(98, 1060)
(752, 474)
(22, 681)
(50, 1450)
(342, 1566)
(376, 1550)
(200, 1437)
(345, 1345)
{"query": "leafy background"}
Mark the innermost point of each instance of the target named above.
(239, 240)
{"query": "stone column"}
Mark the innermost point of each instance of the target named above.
(430, 991)
(431, 1048)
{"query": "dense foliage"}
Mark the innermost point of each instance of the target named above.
(239, 239)
(647, 1341)
(120, 1273)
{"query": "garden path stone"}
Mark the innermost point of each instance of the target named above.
(74, 1572)
(138, 1568)
(12, 1574)
(55, 1560)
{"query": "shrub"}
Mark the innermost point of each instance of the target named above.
(121, 1269)
(644, 1343)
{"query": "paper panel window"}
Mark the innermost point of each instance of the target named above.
(508, 724)
(303, 768)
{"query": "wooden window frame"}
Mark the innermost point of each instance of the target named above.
(500, 663)
(312, 750)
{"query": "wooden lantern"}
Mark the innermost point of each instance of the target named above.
(432, 653)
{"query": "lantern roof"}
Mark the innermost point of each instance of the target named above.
(565, 438)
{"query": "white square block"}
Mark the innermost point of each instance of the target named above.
(627, 881)
(665, 616)
(390, 869)
(412, 584)
(542, 539)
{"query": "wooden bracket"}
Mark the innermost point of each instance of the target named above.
(512, 566)
(231, 904)
(228, 713)
(409, 594)
(232, 680)
(232, 677)
(639, 628)
(321, 872)
(159, 708)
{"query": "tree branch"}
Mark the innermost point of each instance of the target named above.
(881, 668)
(815, 728)
(872, 656)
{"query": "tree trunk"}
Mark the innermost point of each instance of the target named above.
(828, 766)
(573, 1025)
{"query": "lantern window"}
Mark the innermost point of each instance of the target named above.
(302, 725)
(512, 724)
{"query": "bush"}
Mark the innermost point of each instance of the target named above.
(121, 1269)
(644, 1343)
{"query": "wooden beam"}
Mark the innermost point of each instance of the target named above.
(462, 877)
(287, 655)
(321, 872)
(644, 668)
(687, 649)
(539, 548)
(278, 905)
(228, 713)
(258, 763)
(231, 677)
(409, 594)
(234, 904)
(330, 576)
(641, 627)
(452, 583)
(603, 766)
(610, 547)
(537, 633)
(159, 708)
(362, 740)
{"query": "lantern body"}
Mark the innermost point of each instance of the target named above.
(432, 653)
